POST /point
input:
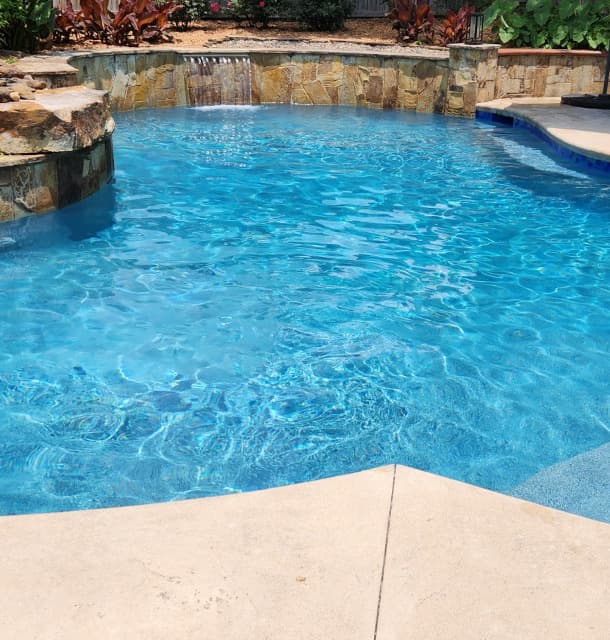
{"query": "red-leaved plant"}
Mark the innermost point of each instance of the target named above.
(413, 20)
(134, 20)
(454, 28)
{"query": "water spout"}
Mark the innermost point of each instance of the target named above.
(219, 80)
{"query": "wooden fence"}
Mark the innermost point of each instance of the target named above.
(370, 9)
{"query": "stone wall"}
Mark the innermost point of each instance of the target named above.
(163, 79)
(548, 73)
(41, 183)
(136, 79)
(369, 81)
(472, 77)
(449, 81)
(55, 149)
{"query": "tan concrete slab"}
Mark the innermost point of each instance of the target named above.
(296, 562)
(467, 563)
(586, 131)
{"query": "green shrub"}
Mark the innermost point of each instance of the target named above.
(256, 13)
(191, 10)
(23, 23)
(566, 24)
(323, 15)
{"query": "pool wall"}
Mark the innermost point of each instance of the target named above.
(451, 81)
(46, 182)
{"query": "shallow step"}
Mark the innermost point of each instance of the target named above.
(579, 485)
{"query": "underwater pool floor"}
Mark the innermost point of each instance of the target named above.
(263, 298)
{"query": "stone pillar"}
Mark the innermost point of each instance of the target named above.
(472, 77)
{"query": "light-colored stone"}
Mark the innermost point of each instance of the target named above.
(58, 120)
(467, 563)
(300, 562)
(585, 131)
(390, 553)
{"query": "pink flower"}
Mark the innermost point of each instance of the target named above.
(229, 5)
(261, 4)
(215, 7)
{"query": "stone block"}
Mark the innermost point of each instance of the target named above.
(35, 186)
(7, 207)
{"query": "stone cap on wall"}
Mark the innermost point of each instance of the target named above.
(55, 121)
(507, 51)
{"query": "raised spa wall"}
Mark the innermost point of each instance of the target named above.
(450, 81)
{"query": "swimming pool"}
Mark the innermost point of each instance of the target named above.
(268, 295)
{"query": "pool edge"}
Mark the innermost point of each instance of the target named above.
(547, 119)
(394, 549)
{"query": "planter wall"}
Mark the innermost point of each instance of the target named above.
(548, 72)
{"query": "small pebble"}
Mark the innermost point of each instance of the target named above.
(14, 96)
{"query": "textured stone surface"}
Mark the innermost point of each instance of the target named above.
(58, 120)
(585, 131)
(548, 75)
(37, 184)
(472, 77)
(388, 83)
(391, 553)
(136, 80)
(451, 84)
(217, 80)
(55, 71)
(463, 562)
(266, 565)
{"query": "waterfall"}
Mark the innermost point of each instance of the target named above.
(219, 80)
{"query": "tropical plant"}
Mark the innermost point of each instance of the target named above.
(549, 23)
(68, 23)
(323, 15)
(413, 21)
(24, 23)
(256, 13)
(134, 21)
(454, 27)
(137, 20)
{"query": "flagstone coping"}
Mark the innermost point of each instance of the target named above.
(388, 553)
(585, 131)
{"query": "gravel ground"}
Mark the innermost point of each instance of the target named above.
(375, 30)
(359, 36)
(253, 44)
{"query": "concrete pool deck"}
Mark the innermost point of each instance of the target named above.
(584, 131)
(383, 554)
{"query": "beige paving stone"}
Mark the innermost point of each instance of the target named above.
(465, 563)
(301, 562)
(584, 130)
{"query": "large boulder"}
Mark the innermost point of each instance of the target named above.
(55, 121)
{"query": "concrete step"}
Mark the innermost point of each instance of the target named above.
(579, 485)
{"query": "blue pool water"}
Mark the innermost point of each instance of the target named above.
(268, 295)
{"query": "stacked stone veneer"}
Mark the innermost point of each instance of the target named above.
(450, 82)
(55, 150)
(549, 73)
(160, 79)
(136, 80)
(380, 82)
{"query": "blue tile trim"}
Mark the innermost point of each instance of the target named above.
(595, 164)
